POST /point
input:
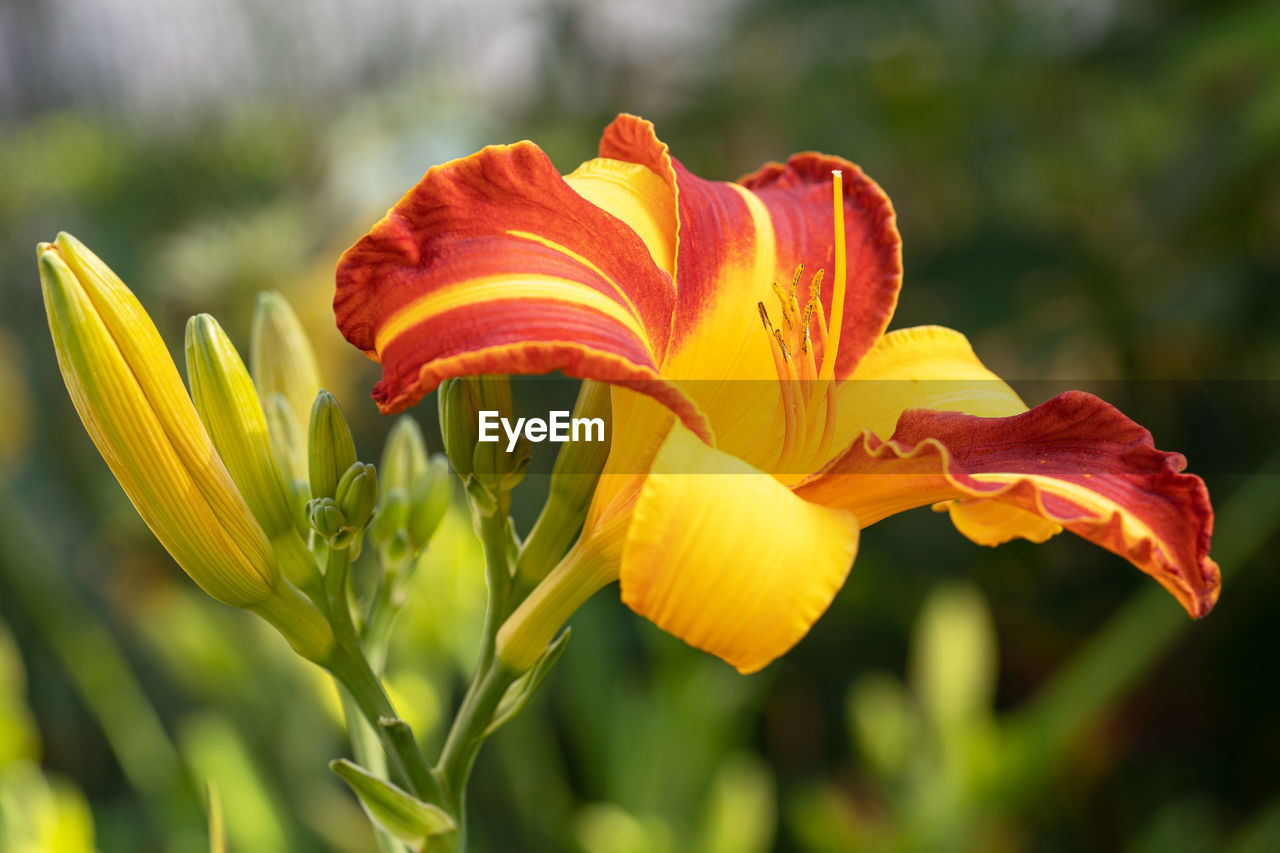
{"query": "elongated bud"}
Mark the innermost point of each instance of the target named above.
(488, 468)
(135, 407)
(357, 494)
(404, 457)
(330, 448)
(281, 358)
(429, 501)
(573, 484)
(393, 515)
(459, 422)
(288, 439)
(228, 405)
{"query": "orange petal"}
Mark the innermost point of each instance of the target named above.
(1074, 461)
(493, 264)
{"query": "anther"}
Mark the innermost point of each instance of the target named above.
(764, 317)
(784, 302)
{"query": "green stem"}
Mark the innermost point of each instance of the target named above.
(349, 665)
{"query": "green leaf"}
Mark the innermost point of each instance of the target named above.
(396, 811)
(522, 689)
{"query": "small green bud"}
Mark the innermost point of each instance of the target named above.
(357, 494)
(496, 470)
(331, 450)
(325, 518)
(429, 501)
(398, 549)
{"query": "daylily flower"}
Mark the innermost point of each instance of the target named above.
(727, 359)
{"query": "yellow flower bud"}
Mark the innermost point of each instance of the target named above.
(135, 407)
(228, 405)
(132, 401)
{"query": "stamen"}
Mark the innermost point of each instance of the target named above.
(764, 316)
(815, 308)
(783, 301)
(837, 296)
(795, 282)
(786, 353)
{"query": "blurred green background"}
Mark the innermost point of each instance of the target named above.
(1089, 189)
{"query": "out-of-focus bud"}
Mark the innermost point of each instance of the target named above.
(282, 361)
(330, 448)
(136, 409)
(357, 494)
(404, 457)
(573, 484)
(288, 440)
(393, 515)
(429, 501)
(494, 467)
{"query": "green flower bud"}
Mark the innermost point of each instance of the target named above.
(325, 518)
(393, 515)
(459, 421)
(331, 450)
(429, 501)
(404, 458)
(357, 494)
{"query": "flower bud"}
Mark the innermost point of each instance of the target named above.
(288, 440)
(573, 484)
(392, 516)
(494, 468)
(357, 494)
(281, 358)
(135, 407)
(404, 458)
(459, 422)
(429, 501)
(326, 518)
(228, 405)
(330, 448)
(132, 401)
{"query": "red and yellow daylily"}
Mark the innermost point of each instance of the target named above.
(762, 416)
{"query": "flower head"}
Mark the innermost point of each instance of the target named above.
(762, 415)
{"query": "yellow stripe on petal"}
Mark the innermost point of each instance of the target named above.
(729, 560)
(505, 288)
(636, 195)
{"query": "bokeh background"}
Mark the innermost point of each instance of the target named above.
(1089, 189)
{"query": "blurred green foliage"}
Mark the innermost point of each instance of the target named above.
(1090, 191)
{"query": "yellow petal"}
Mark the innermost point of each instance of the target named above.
(728, 559)
(924, 367)
(989, 522)
(636, 195)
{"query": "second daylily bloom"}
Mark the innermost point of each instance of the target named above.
(761, 414)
